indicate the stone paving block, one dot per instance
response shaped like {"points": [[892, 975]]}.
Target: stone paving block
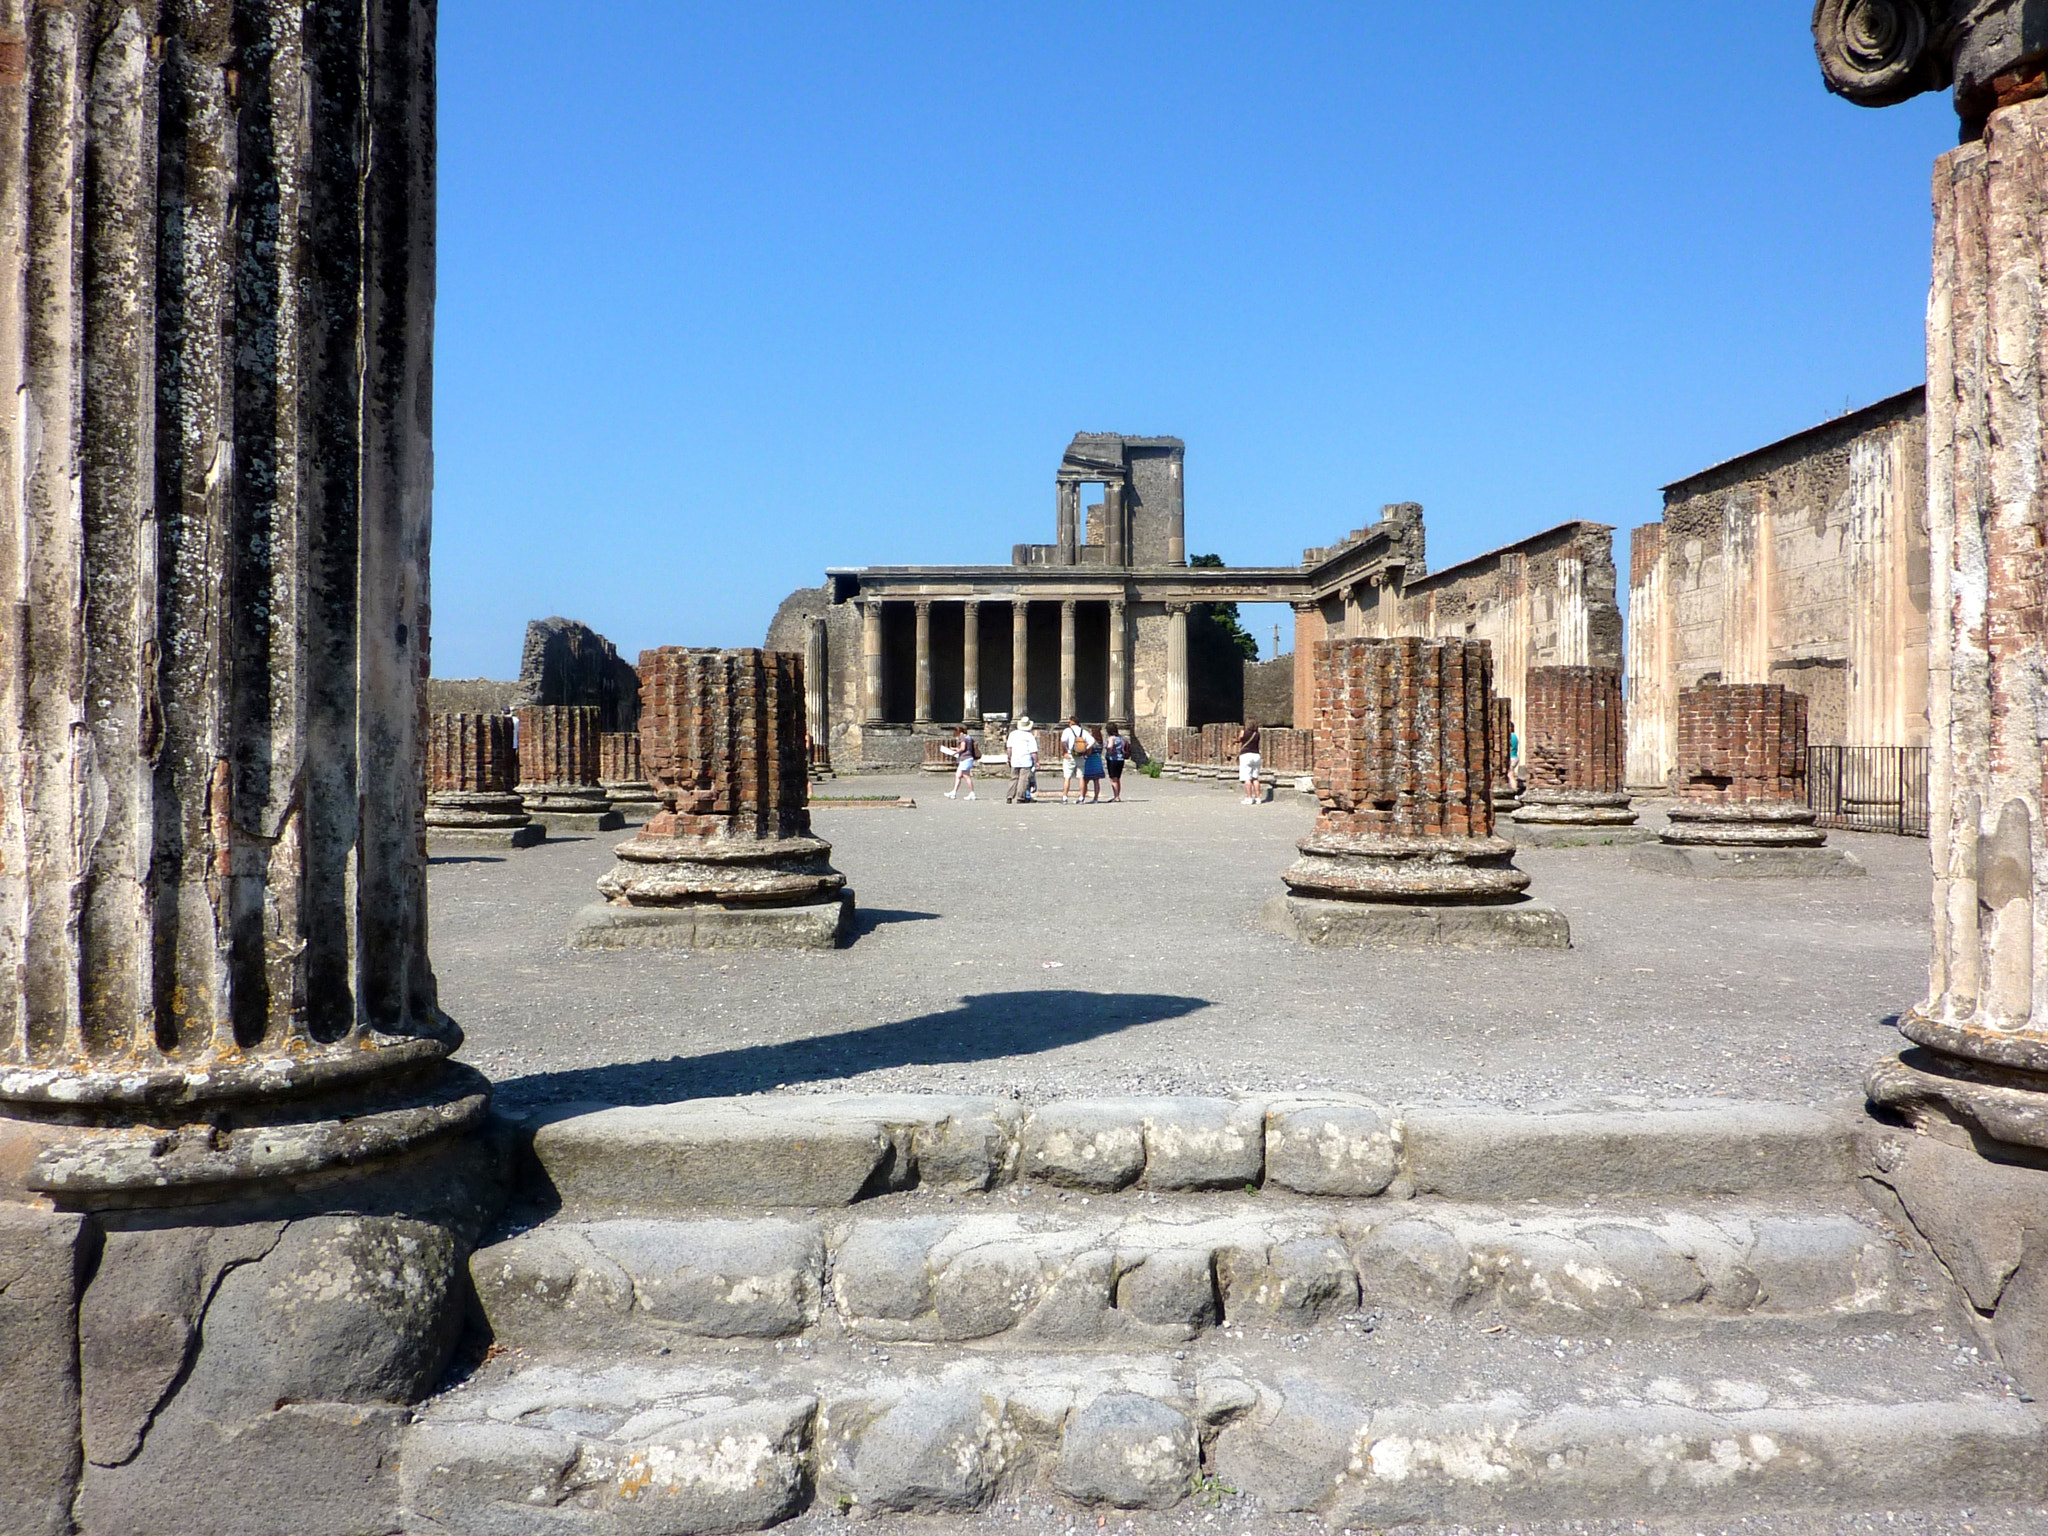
{"points": [[881, 1271], [943, 1141], [1195, 1143], [720, 1279], [550, 1289], [1307, 1281], [1821, 1263], [987, 1290], [938, 1451], [1129, 1452], [1085, 1143], [1171, 1288], [678, 1157], [1290, 1451], [1345, 1149], [42, 1266], [1736, 1149], [1415, 1264]]}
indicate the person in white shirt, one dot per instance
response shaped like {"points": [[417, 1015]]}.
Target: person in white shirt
{"points": [[1075, 744], [961, 750], [1023, 750]]}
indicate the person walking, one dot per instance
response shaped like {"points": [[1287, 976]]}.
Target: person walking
{"points": [[1116, 751], [1023, 754], [1515, 760], [1074, 744], [1248, 763], [963, 754], [1091, 772]]}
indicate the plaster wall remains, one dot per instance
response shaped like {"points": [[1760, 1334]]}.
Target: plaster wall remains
{"points": [[1804, 563]]}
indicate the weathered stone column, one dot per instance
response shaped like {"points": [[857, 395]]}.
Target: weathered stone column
{"points": [[1020, 659], [1067, 680], [921, 712], [1404, 849], [216, 329], [1574, 745], [1742, 776], [1069, 533], [1507, 793], [621, 777], [558, 769], [871, 661], [1650, 726], [817, 691], [472, 778], [1119, 665], [731, 861], [1176, 665], [970, 663], [1116, 527]]}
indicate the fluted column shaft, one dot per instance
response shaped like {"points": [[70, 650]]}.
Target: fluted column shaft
{"points": [[970, 662], [871, 661], [1020, 658], [1176, 665], [1068, 706], [922, 704], [817, 682], [1119, 666]]}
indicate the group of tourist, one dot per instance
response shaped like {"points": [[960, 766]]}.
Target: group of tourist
{"points": [[1084, 763]]}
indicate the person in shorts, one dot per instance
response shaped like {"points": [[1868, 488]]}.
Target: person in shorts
{"points": [[1023, 749], [1092, 772], [961, 750], [1074, 744], [1248, 763], [1116, 751]]}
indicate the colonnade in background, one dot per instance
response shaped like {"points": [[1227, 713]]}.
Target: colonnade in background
{"points": [[873, 691]]}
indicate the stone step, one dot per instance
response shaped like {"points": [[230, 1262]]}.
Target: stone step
{"points": [[1375, 1425], [819, 1150], [1041, 1268]]}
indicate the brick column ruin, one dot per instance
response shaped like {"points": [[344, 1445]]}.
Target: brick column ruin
{"points": [[1574, 751], [621, 777], [1507, 791], [1741, 778], [222, 1052], [472, 784], [558, 769], [730, 862], [1404, 850]]}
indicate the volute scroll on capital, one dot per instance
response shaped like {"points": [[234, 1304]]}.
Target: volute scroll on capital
{"points": [[1878, 53]]}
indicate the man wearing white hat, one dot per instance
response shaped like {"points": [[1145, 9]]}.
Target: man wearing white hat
{"points": [[1023, 746]]}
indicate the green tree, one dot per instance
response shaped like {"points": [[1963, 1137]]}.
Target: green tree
{"points": [[1224, 615]]}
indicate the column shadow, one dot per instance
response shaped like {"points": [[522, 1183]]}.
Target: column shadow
{"points": [[987, 1027]]}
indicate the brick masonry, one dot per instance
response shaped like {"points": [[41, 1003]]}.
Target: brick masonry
{"points": [[1402, 730], [722, 737], [1742, 742], [471, 754], [618, 758], [1575, 739], [1503, 730], [558, 744]]}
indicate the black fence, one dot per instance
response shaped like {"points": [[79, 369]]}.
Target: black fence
{"points": [[1869, 789]]}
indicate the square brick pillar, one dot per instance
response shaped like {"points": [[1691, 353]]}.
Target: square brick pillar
{"points": [[1404, 759], [1574, 745], [730, 861]]}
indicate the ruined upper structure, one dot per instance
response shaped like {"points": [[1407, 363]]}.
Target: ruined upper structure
{"points": [[1142, 517], [1878, 53], [564, 662]]}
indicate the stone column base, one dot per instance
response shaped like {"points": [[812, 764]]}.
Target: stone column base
{"points": [[1746, 863], [1506, 798], [707, 925], [1744, 824], [570, 823], [1409, 925], [1967, 1100], [1540, 835], [1573, 808], [458, 840], [1339, 866]]}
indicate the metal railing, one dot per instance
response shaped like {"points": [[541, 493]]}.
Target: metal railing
{"points": [[1869, 789]]}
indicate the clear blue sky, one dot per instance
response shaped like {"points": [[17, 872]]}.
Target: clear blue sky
{"points": [[730, 294]]}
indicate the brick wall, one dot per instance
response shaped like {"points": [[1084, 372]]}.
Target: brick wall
{"points": [[1402, 732], [558, 744], [471, 754], [1503, 729], [1741, 741], [722, 737], [618, 758], [1575, 739]]}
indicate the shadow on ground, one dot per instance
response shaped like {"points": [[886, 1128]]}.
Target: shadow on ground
{"points": [[867, 920], [982, 1028]]}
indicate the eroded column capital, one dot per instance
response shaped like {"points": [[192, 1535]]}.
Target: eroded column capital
{"points": [[1878, 53]]}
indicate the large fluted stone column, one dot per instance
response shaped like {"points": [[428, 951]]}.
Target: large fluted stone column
{"points": [[1119, 665], [472, 785], [1069, 528], [1574, 754], [234, 1180], [731, 862], [1176, 666], [921, 711], [1068, 705], [1115, 526], [817, 694], [559, 766], [1973, 1082], [871, 661], [1020, 659], [970, 662], [1404, 850]]}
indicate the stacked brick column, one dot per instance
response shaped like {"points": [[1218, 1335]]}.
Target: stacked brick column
{"points": [[1507, 793], [1403, 732], [619, 772], [723, 739], [1742, 769], [472, 778], [1574, 748], [558, 768]]}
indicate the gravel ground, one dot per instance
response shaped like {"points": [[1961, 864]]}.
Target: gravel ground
{"points": [[1054, 950]]}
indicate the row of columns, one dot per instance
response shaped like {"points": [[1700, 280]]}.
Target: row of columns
{"points": [[1119, 669]]}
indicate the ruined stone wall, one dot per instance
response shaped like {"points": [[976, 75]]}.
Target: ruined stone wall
{"points": [[1741, 742], [1804, 564], [1402, 730], [1269, 691], [565, 662], [471, 696], [789, 631]]}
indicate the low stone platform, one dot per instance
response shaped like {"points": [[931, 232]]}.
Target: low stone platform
{"points": [[1525, 834], [442, 841], [579, 823], [706, 925], [1707, 863], [1356, 924]]}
